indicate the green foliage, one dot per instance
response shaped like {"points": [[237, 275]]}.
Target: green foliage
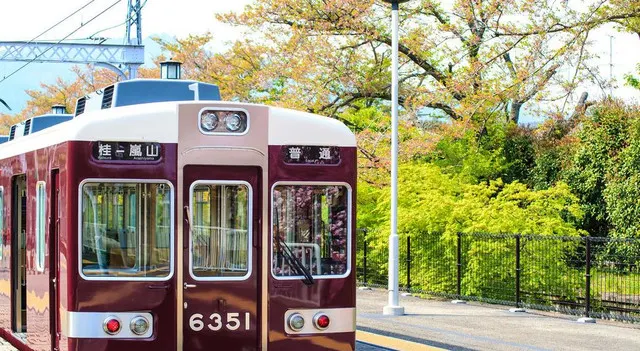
{"points": [[547, 169], [602, 137], [472, 159], [370, 116], [433, 207], [623, 186], [502, 151], [632, 80], [519, 154]]}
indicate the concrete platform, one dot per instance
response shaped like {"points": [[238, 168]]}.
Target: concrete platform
{"points": [[475, 326]]}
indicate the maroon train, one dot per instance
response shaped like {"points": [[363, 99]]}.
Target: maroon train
{"points": [[158, 217]]}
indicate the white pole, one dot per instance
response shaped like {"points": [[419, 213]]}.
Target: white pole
{"points": [[611, 65], [393, 307]]}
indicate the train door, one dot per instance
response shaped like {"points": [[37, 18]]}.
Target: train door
{"points": [[54, 235], [18, 255], [221, 256]]}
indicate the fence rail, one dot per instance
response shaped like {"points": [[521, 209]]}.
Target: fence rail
{"points": [[589, 276]]}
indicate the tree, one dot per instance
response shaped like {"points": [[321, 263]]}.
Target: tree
{"points": [[603, 137], [473, 63], [477, 57], [66, 93]]}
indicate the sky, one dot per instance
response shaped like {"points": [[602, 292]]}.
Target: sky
{"points": [[166, 18], [25, 19]]}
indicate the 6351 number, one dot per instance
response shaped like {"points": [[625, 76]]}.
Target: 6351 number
{"points": [[215, 322]]}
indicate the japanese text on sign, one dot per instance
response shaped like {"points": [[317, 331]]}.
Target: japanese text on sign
{"points": [[311, 155], [126, 151]]}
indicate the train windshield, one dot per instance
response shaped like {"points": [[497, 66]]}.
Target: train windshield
{"points": [[314, 222], [126, 230], [221, 231]]}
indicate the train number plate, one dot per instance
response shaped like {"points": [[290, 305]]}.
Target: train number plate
{"points": [[230, 321]]}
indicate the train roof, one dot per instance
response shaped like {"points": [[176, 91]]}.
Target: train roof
{"points": [[144, 91], [158, 122], [36, 124]]}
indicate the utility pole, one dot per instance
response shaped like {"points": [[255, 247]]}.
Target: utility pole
{"points": [[393, 307], [611, 65], [134, 18]]}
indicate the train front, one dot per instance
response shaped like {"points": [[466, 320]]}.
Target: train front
{"points": [[235, 232]]}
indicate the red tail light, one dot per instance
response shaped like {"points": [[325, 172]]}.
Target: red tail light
{"points": [[111, 325], [321, 321]]}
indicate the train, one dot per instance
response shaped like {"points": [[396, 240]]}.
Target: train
{"points": [[157, 216]]}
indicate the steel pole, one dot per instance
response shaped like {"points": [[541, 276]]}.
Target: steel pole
{"points": [[393, 307]]}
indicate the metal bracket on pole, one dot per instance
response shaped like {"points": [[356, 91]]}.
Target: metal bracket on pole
{"points": [[113, 68]]}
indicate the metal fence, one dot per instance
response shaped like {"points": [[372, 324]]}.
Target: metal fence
{"points": [[588, 276]]}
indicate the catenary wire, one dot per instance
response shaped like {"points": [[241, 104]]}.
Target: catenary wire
{"points": [[59, 41], [50, 28]]}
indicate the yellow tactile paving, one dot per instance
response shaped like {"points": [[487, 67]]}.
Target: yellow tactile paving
{"points": [[392, 343]]}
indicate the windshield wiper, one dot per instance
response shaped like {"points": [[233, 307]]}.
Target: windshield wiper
{"points": [[294, 262]]}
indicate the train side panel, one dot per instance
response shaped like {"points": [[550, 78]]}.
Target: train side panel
{"points": [[36, 167]]}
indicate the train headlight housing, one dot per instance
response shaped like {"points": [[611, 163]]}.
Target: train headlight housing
{"points": [[321, 321], [296, 322], [209, 121], [233, 122], [223, 121], [139, 325], [111, 325]]}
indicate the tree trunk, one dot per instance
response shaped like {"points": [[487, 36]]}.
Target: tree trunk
{"points": [[514, 113], [581, 107]]}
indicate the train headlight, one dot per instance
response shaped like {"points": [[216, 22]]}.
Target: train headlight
{"points": [[223, 121], [111, 325], [233, 121], [321, 321], [139, 325], [209, 121], [296, 322]]}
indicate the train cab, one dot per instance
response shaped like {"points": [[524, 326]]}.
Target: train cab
{"points": [[179, 222]]}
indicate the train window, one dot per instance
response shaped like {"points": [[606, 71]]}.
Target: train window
{"points": [[41, 198], [221, 230], [311, 225], [127, 230], [1, 222]]}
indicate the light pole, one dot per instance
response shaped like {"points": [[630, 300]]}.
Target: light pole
{"points": [[393, 307]]}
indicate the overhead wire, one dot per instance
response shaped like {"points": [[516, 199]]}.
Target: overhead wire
{"points": [[50, 28], [129, 19], [60, 41], [91, 37]]}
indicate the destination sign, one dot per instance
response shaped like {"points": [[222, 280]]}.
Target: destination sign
{"points": [[126, 151], [311, 155]]}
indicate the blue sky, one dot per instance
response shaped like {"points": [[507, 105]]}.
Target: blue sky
{"points": [[168, 18], [165, 18]]}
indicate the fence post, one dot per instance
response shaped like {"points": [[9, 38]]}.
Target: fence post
{"points": [[365, 257], [409, 264], [587, 276], [518, 270], [459, 264]]}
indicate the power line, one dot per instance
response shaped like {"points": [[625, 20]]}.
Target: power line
{"points": [[50, 28], [90, 37], [59, 41], [129, 19]]}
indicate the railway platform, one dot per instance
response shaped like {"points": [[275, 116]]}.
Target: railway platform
{"points": [[440, 324]]}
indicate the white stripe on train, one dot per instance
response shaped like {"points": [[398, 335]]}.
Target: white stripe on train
{"points": [[158, 122]]}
